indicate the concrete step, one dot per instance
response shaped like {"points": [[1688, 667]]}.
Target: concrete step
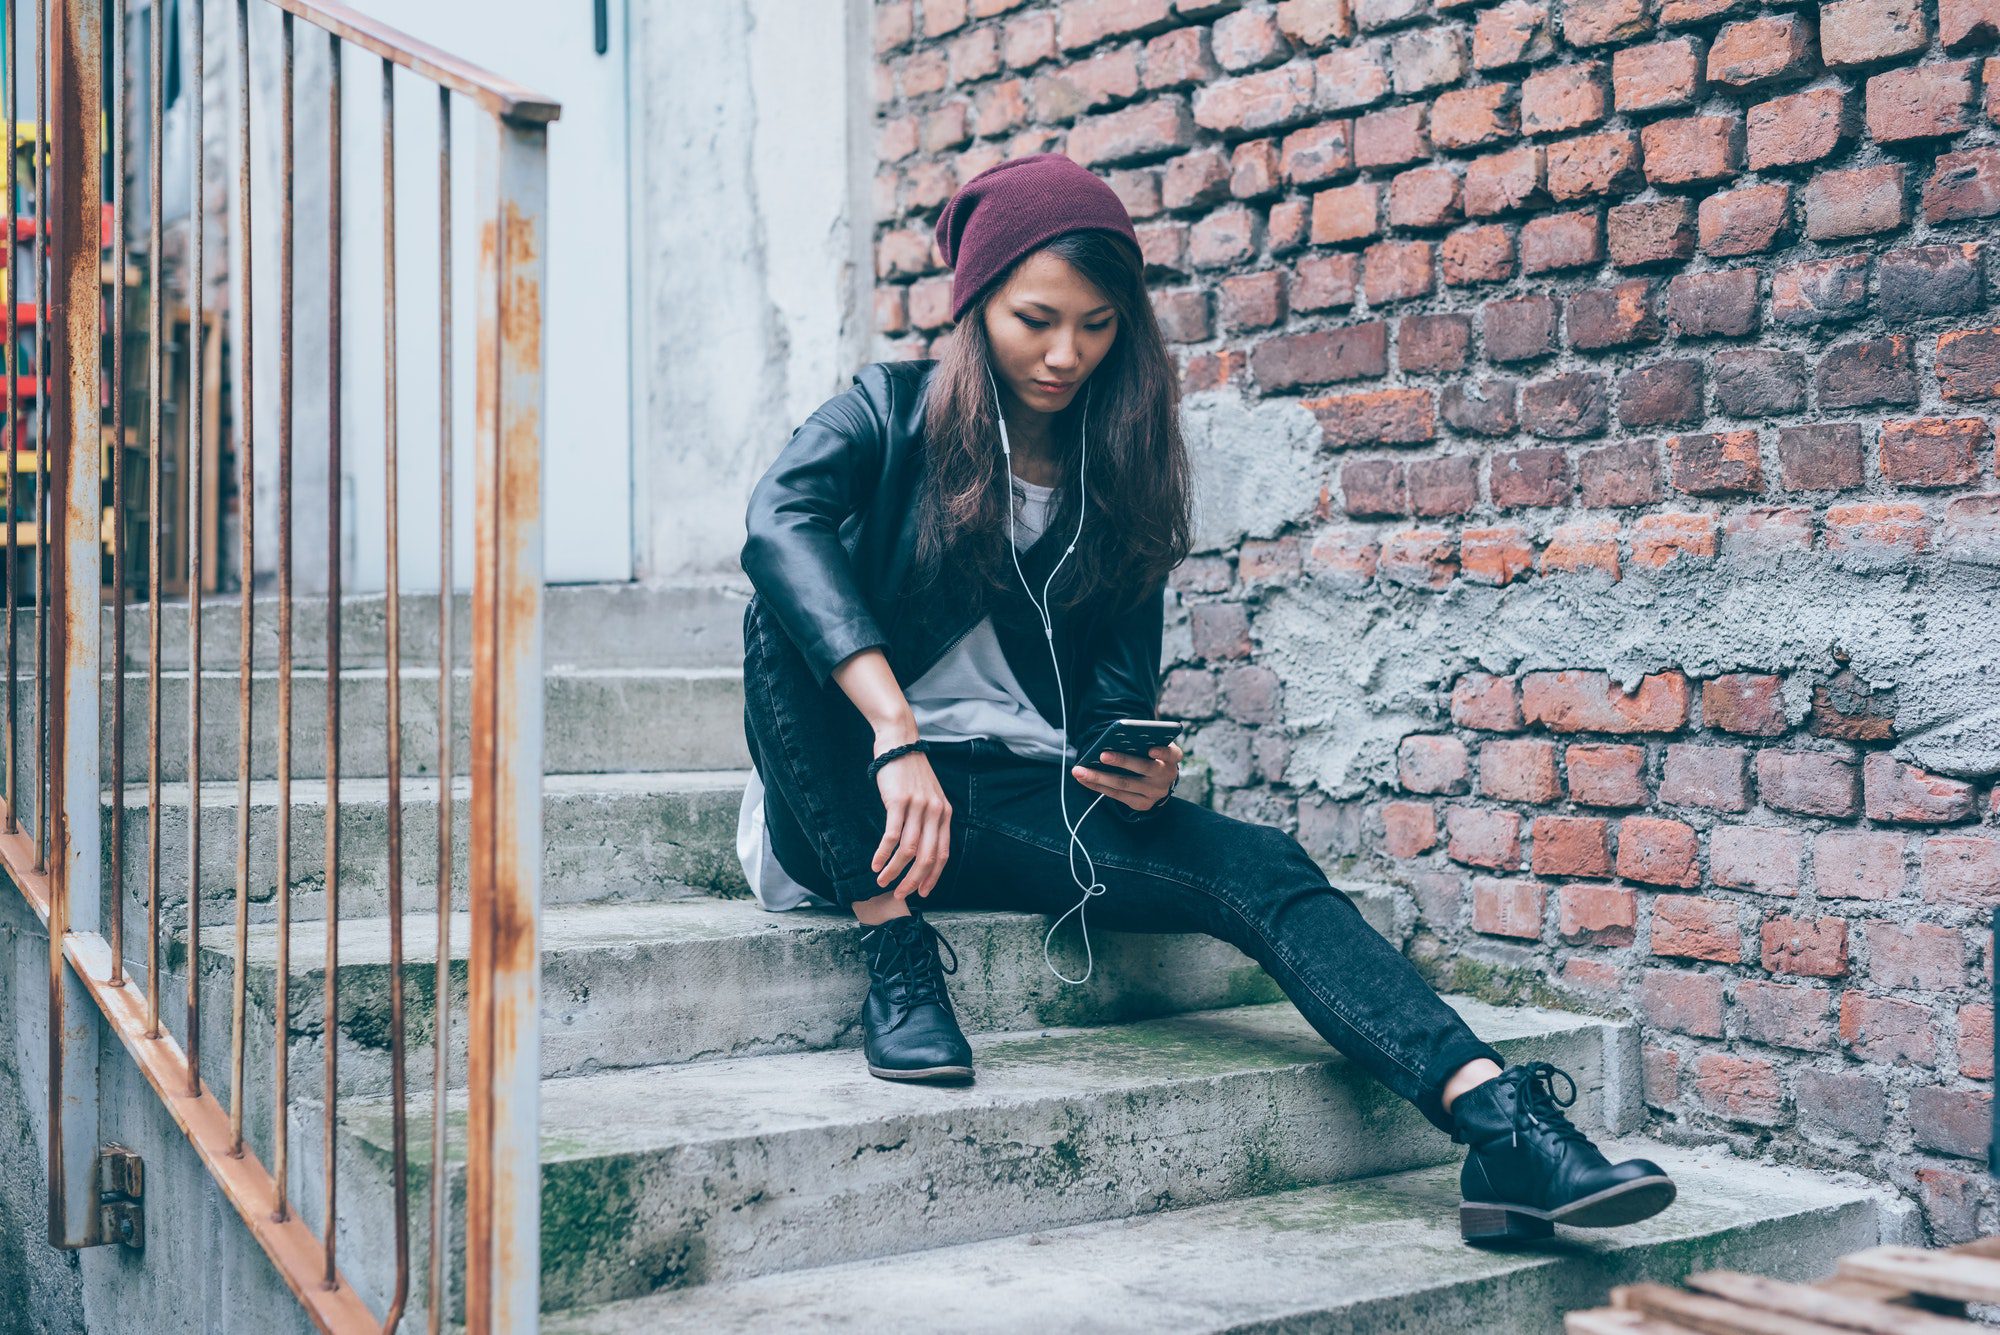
{"points": [[605, 838], [597, 720], [583, 625], [633, 985], [1382, 1254], [670, 1176]]}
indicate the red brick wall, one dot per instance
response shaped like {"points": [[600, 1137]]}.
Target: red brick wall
{"points": [[1586, 299]]}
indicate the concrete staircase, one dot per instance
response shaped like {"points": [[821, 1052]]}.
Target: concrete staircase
{"points": [[1169, 1147]]}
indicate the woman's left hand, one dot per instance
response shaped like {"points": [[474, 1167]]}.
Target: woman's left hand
{"points": [[1149, 777]]}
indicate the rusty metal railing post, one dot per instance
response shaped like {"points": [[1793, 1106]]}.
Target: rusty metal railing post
{"points": [[503, 1168], [71, 695]]}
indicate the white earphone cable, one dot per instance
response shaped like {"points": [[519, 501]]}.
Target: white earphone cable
{"points": [[1095, 886]]}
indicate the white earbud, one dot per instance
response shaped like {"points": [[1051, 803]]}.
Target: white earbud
{"points": [[1095, 886]]}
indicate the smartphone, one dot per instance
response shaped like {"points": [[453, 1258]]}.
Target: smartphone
{"points": [[1129, 737]]}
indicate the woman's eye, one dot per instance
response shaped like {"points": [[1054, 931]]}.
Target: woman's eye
{"points": [[1043, 324]]}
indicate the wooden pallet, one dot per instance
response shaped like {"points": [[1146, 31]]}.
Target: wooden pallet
{"points": [[1880, 1291]]}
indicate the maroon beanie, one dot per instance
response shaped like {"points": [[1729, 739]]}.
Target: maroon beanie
{"points": [[1013, 207]]}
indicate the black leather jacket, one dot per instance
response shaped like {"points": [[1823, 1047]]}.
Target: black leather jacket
{"points": [[831, 537]]}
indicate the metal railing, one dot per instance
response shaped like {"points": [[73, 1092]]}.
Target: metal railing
{"points": [[57, 865]]}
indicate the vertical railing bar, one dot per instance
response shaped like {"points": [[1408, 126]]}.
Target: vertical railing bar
{"points": [[44, 280], [281, 1097], [156, 304], [330, 1100], [197, 226], [398, 1112], [441, 1035], [246, 509], [115, 64], [16, 437]]}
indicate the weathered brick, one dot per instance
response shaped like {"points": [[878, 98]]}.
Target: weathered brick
{"points": [[1517, 32], [1587, 23], [1519, 770], [1384, 417], [1933, 451], [1723, 303], [1519, 330], [1446, 486], [1823, 457], [1716, 777], [1764, 532], [1952, 1121], [1483, 407], [1419, 558], [1605, 774], [1759, 381], [1343, 557], [1749, 221], [1922, 102], [1487, 702], [1660, 76], [1409, 829], [1854, 1106], [1965, 184], [1971, 530], [1800, 128], [1975, 1042], [1920, 281], [1565, 407], [1594, 164], [1850, 709], [1659, 852], [1582, 545], [1148, 129], [1886, 1029], [1538, 476], [1596, 915], [1392, 138], [1961, 869], [1863, 32], [1859, 864], [1968, 364], [1468, 118], [1620, 475], [1424, 197], [1967, 22], [1477, 255], [1593, 702], [1662, 394], [1809, 783], [1861, 201], [1692, 926], [1317, 153], [1496, 555], [1898, 793], [1325, 282], [1432, 56], [1816, 947], [1508, 907], [1692, 150], [1756, 857], [1659, 539], [1791, 1015], [1747, 703], [1253, 103], [1872, 536], [1427, 343], [1354, 76], [1571, 846], [1772, 48], [1564, 98], [1504, 182], [1650, 231], [1687, 1003], [1869, 371], [1742, 1089], [1374, 488], [1915, 955], [1819, 290], [1482, 837], [1396, 271], [1726, 463], [1553, 241], [1346, 213], [1252, 300], [1614, 317], [1320, 356]]}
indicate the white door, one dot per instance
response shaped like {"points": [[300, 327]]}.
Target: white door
{"points": [[587, 441]]}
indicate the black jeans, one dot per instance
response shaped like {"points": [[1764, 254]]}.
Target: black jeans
{"points": [[1189, 870]]}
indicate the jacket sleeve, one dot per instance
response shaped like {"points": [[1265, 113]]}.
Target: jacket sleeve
{"points": [[1125, 679], [792, 551]]}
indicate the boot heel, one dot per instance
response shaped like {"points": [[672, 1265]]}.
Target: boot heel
{"points": [[1496, 1223]]}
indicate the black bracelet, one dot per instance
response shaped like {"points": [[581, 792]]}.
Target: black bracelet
{"points": [[875, 765]]}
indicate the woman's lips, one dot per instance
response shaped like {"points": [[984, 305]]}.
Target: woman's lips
{"points": [[1051, 387]]}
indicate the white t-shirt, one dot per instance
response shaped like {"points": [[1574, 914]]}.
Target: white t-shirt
{"points": [[969, 692]]}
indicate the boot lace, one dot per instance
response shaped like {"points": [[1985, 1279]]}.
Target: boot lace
{"points": [[906, 961], [1539, 1104]]}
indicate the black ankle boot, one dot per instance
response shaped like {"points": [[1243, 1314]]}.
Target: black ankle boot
{"points": [[1530, 1168], [909, 1030]]}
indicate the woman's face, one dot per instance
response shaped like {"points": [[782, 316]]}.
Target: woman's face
{"points": [[1049, 328]]}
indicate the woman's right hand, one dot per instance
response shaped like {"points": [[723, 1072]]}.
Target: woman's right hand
{"points": [[918, 832]]}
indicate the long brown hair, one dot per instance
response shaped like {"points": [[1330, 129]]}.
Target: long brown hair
{"points": [[1138, 479]]}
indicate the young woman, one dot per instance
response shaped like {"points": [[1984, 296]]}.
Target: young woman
{"points": [[960, 566]]}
